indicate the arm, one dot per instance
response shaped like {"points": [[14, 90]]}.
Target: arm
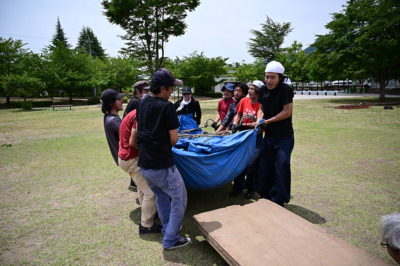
{"points": [[236, 119], [260, 114], [198, 113], [285, 113], [217, 118], [221, 127], [133, 139], [173, 136]]}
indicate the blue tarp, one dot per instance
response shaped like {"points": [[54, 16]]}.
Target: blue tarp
{"points": [[215, 162], [187, 122]]}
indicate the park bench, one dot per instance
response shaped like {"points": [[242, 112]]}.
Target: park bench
{"points": [[61, 106]]}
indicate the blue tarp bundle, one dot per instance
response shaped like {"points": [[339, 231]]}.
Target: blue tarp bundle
{"points": [[187, 122], [215, 162]]}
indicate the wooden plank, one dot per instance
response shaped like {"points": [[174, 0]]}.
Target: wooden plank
{"points": [[263, 233]]}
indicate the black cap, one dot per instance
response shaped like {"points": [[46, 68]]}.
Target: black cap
{"points": [[186, 90], [165, 75], [110, 95]]}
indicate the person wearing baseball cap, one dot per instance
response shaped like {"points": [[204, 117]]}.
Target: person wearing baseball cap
{"points": [[111, 105], [140, 88], [276, 111], [157, 133], [188, 105], [224, 103]]}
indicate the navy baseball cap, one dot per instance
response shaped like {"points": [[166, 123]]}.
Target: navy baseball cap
{"points": [[164, 74], [228, 86]]}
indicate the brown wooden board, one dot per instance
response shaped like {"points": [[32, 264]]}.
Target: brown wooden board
{"points": [[263, 233]]}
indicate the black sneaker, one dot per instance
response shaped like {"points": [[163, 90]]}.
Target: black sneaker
{"points": [[181, 243], [156, 228], [132, 188], [234, 193], [249, 195]]}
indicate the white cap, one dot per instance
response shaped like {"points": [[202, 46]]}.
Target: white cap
{"points": [[257, 83], [275, 67]]}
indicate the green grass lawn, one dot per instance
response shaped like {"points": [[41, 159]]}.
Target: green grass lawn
{"points": [[64, 201]]}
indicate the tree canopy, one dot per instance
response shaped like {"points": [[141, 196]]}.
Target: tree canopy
{"points": [[59, 38], [365, 39], [89, 43], [268, 41], [148, 24]]}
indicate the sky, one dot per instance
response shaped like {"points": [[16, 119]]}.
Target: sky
{"points": [[216, 27]]}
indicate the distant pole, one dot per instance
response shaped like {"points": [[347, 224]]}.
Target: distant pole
{"points": [[90, 47]]}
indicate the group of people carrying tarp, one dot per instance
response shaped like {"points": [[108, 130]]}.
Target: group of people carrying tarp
{"points": [[142, 142]]}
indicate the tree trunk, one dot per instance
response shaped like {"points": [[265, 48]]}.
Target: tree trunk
{"points": [[8, 100], [70, 97], [382, 85]]}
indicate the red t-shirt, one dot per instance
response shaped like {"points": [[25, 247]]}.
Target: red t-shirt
{"points": [[126, 151], [223, 107], [245, 107]]}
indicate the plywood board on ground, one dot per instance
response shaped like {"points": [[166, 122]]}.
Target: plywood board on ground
{"points": [[263, 233]]}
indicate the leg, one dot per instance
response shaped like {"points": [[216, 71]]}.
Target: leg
{"points": [[266, 168], [168, 183], [281, 190], [238, 184], [146, 196]]}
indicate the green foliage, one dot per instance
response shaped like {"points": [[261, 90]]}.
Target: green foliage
{"points": [[212, 94], [117, 73], [148, 24], [199, 72], [26, 105], [250, 72], [295, 61], [22, 85], [89, 43], [93, 100], [365, 38], [59, 39], [267, 42]]}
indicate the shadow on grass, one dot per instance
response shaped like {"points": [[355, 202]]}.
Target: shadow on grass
{"points": [[310, 216], [25, 110]]}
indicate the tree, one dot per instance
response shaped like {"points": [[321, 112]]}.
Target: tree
{"points": [[59, 38], [69, 69], [117, 73], [294, 59], [22, 85], [267, 42], [365, 37], [89, 43], [199, 72], [250, 72], [11, 63], [148, 24]]}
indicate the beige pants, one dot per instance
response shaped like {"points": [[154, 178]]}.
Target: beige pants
{"points": [[147, 199]]}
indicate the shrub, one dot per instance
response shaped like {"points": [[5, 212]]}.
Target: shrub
{"points": [[125, 100], [93, 100], [26, 105], [42, 104], [212, 94]]}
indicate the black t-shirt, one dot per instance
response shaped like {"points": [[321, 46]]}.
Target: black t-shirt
{"points": [[132, 105], [155, 117], [272, 103]]}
